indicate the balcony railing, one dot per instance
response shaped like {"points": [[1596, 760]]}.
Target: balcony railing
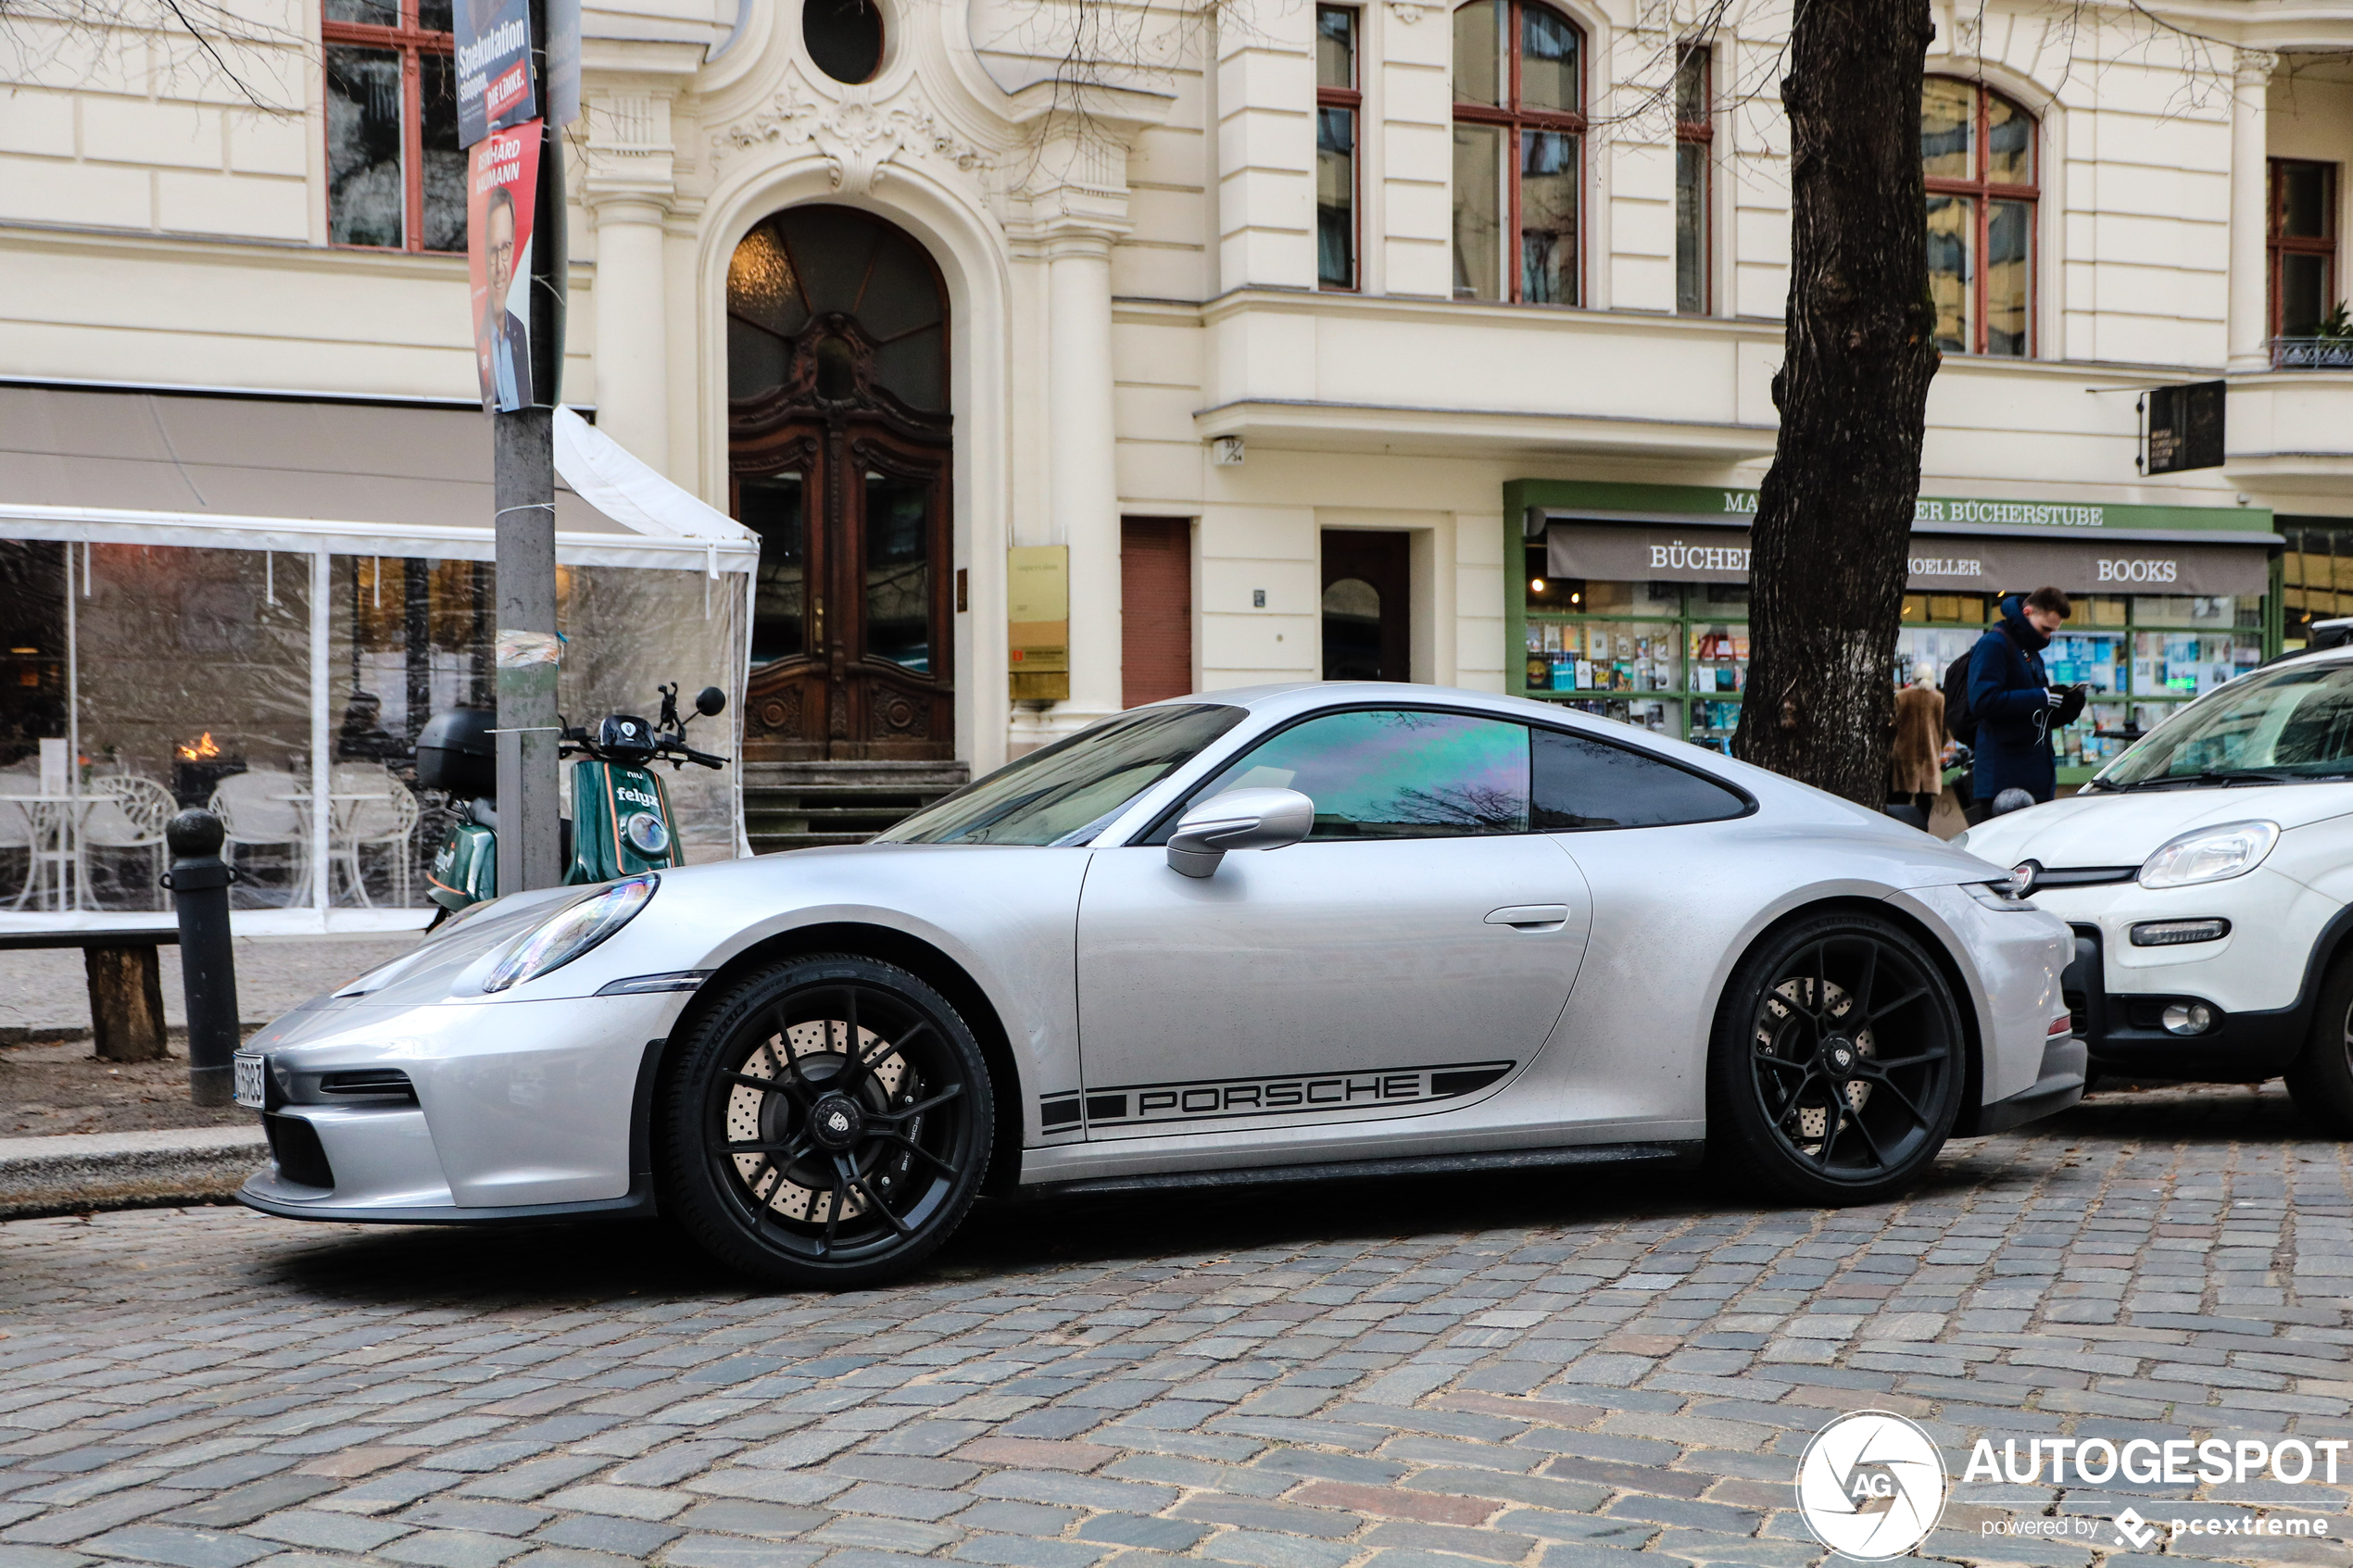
{"points": [[2312, 354]]}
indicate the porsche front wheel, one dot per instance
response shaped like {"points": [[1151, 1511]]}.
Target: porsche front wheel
{"points": [[1837, 1067], [826, 1124]]}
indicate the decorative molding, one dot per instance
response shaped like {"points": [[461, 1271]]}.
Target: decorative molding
{"points": [[1410, 11], [629, 155], [2253, 67], [1969, 29], [856, 136]]}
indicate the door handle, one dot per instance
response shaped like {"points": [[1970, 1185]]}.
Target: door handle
{"points": [[1530, 917]]}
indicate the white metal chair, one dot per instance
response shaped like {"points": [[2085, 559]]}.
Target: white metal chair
{"points": [[33, 829], [16, 833], [383, 815], [131, 814], [262, 809]]}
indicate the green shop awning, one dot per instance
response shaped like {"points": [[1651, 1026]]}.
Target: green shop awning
{"points": [[1690, 534]]}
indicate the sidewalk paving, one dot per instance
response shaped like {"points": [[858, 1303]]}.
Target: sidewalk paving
{"points": [[44, 995]]}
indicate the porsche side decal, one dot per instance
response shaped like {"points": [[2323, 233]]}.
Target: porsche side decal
{"points": [[1133, 1104]]}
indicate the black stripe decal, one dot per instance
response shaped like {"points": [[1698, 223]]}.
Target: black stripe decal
{"points": [[1306, 1094]]}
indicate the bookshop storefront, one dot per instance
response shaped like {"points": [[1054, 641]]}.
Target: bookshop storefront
{"points": [[1633, 601]]}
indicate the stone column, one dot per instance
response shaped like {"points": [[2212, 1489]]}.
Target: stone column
{"points": [[627, 192], [1070, 211], [2250, 325], [1084, 493]]}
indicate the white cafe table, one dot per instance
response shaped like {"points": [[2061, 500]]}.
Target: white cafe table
{"points": [[341, 807], [57, 822]]}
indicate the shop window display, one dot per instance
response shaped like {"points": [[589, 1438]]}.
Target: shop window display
{"points": [[2140, 655]]}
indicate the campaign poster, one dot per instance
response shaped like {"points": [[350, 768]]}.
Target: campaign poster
{"points": [[493, 67], [502, 179]]}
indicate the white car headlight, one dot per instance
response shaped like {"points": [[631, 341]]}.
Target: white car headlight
{"points": [[2214, 854], [571, 931]]}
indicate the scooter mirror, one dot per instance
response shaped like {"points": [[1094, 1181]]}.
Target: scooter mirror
{"points": [[710, 700]]}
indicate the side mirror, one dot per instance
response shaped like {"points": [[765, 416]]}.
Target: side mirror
{"points": [[710, 700], [1240, 818]]}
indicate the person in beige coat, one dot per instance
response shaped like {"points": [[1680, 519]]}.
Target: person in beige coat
{"points": [[1916, 765]]}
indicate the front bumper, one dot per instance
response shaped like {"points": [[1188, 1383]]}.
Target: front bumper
{"points": [[517, 1110], [2124, 1032]]}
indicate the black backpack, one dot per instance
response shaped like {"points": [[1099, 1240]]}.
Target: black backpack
{"points": [[1959, 722]]}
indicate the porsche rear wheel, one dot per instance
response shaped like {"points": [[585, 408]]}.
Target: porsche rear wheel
{"points": [[1838, 1061], [827, 1123]]}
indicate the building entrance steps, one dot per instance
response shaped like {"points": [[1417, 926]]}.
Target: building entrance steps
{"points": [[804, 805]]}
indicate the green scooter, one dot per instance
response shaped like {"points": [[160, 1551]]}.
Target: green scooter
{"points": [[621, 822]]}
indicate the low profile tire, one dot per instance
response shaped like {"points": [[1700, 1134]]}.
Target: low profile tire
{"points": [[1836, 1071], [826, 1124], [2320, 1080]]}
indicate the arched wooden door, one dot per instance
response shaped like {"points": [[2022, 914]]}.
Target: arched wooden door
{"points": [[838, 448]]}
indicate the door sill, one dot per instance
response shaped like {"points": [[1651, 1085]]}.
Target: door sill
{"points": [[1678, 1154]]}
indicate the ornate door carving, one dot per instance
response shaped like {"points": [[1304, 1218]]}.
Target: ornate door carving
{"points": [[839, 448]]}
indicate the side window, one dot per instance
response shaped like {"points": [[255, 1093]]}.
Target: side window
{"points": [[1395, 774], [1590, 784]]}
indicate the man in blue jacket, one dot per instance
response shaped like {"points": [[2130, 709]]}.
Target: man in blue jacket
{"points": [[2012, 701]]}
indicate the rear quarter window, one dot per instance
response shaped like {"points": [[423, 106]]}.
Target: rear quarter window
{"points": [[1579, 784]]}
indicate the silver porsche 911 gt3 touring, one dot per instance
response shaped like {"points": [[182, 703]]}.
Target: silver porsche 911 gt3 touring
{"points": [[1270, 935]]}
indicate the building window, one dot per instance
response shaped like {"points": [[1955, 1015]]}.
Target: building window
{"points": [[1519, 126], [1695, 136], [1339, 105], [1977, 150], [395, 175], [2303, 243]]}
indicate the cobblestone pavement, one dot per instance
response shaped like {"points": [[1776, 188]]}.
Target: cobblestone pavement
{"points": [[1575, 1370]]}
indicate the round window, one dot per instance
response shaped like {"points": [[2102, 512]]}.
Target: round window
{"points": [[845, 37]]}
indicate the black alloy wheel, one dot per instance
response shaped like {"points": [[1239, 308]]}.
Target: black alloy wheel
{"points": [[1838, 1062], [827, 1123]]}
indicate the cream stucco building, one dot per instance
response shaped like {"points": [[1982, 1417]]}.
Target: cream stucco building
{"points": [[1358, 336]]}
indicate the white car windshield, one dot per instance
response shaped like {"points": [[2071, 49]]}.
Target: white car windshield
{"points": [[1066, 793], [2290, 724]]}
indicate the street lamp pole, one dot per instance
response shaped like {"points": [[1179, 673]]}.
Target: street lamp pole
{"points": [[523, 442]]}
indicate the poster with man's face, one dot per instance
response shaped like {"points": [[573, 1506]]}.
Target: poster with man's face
{"points": [[502, 177]]}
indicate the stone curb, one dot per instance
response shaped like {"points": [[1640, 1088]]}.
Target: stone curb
{"points": [[87, 1170]]}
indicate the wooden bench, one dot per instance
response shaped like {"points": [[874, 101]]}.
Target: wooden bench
{"points": [[126, 984]]}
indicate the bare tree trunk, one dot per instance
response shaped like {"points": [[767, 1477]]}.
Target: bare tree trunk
{"points": [[1834, 517]]}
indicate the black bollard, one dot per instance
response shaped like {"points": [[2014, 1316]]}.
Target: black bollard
{"points": [[199, 880]]}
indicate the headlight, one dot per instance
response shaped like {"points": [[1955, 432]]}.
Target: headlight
{"points": [[571, 931], [2211, 854], [1998, 896]]}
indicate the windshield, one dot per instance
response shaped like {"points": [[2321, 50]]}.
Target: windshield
{"points": [[1065, 793], [2293, 724]]}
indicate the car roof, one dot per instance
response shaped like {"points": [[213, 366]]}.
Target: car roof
{"points": [[1301, 697]]}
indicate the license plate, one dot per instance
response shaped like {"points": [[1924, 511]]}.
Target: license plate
{"points": [[249, 1070]]}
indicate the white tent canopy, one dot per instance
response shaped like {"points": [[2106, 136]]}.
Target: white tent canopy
{"points": [[385, 508]]}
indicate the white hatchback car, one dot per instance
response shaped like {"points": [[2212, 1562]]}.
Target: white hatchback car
{"points": [[2207, 874]]}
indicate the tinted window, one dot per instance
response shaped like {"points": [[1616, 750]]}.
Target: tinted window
{"points": [[1590, 784], [1065, 793], [1395, 774]]}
